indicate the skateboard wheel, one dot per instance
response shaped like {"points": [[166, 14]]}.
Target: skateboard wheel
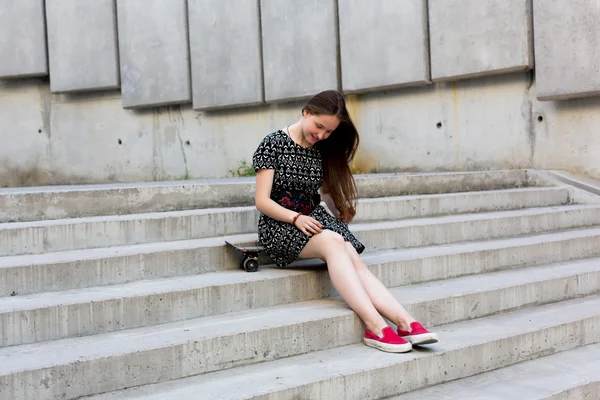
{"points": [[250, 265]]}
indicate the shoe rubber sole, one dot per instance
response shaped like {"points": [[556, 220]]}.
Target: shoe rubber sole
{"points": [[389, 348], [424, 338]]}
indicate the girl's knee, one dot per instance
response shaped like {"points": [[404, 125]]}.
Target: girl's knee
{"points": [[329, 243], [332, 237]]}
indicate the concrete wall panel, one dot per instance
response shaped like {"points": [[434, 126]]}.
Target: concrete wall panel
{"points": [[299, 48], [225, 53], [479, 37], [154, 52], [383, 43], [82, 45], [567, 48], [22, 39]]}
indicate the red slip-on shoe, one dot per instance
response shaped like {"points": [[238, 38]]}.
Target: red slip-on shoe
{"points": [[418, 334], [389, 341]]}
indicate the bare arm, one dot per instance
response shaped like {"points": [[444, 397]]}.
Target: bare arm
{"points": [[264, 204]]}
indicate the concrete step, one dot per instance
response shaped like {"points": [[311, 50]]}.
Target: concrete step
{"points": [[420, 206], [572, 374], [375, 236], [55, 202], [56, 315], [356, 372], [456, 228], [23, 275], [171, 351], [106, 231]]}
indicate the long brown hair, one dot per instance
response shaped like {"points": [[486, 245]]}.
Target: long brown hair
{"points": [[338, 150]]}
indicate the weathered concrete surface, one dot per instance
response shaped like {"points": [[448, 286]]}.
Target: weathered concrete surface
{"points": [[454, 126], [122, 264], [49, 236], [105, 231], [566, 48], [580, 192], [51, 316], [415, 206], [566, 136], [91, 139], [299, 48], [156, 316], [582, 182], [467, 349], [95, 232], [225, 49], [42, 203], [479, 37], [480, 124], [383, 44], [24, 275], [26, 161], [572, 374], [22, 39], [82, 45], [154, 52], [450, 229]]}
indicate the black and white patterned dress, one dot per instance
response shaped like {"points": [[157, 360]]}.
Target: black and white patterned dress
{"points": [[297, 179]]}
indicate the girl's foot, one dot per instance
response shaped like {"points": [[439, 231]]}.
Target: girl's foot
{"points": [[389, 341], [418, 334]]}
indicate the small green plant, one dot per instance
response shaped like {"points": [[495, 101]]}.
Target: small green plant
{"points": [[358, 171], [244, 169], [186, 177]]}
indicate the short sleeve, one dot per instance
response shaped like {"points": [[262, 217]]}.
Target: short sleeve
{"points": [[265, 155]]}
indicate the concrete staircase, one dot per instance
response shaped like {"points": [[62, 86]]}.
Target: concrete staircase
{"points": [[128, 292]]}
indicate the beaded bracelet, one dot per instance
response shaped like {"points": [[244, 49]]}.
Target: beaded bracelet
{"points": [[296, 217]]}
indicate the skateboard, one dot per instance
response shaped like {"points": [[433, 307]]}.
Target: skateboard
{"points": [[249, 259]]}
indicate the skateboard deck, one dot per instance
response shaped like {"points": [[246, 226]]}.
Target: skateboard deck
{"points": [[249, 256]]}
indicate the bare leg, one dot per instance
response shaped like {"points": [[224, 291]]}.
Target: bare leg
{"points": [[330, 247], [380, 296]]}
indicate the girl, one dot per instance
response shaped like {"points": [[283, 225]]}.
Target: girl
{"points": [[292, 165]]}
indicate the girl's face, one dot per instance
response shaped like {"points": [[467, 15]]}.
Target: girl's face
{"points": [[318, 127]]}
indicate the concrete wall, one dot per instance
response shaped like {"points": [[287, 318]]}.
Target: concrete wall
{"points": [[395, 54], [486, 122], [25, 114], [154, 52], [225, 48], [290, 50], [82, 45], [22, 39], [299, 48], [566, 134], [468, 125], [567, 44], [479, 37]]}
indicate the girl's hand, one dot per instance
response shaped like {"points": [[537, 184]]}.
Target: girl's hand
{"points": [[308, 225]]}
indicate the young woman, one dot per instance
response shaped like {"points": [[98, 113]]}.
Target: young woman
{"points": [[292, 164]]}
